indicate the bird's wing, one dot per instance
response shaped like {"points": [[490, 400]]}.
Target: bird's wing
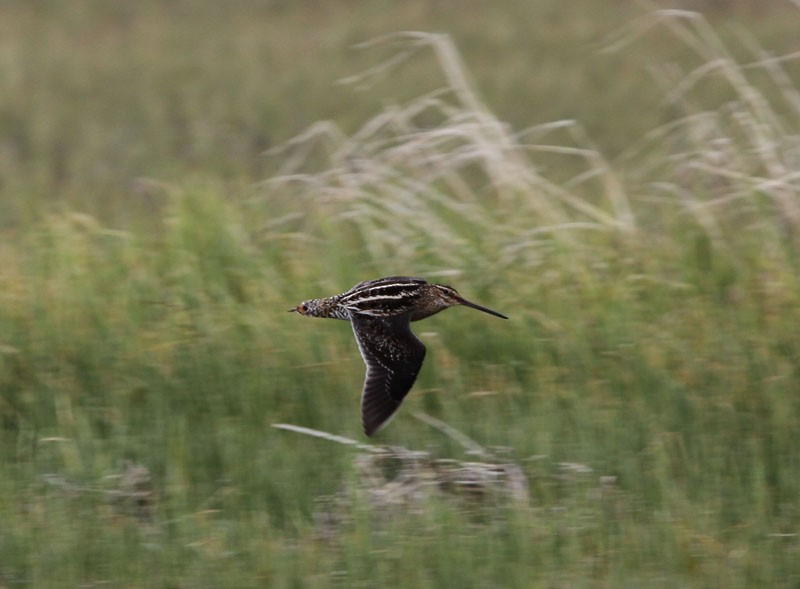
{"points": [[393, 356]]}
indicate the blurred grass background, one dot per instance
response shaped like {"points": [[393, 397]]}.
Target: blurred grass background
{"points": [[621, 181]]}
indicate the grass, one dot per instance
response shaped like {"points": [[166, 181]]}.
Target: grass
{"points": [[645, 250]]}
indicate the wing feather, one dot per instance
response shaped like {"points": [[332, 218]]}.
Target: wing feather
{"points": [[393, 356]]}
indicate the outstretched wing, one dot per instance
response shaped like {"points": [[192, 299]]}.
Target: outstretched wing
{"points": [[393, 356]]}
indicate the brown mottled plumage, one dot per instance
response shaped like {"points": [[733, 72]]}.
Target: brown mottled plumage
{"points": [[380, 312]]}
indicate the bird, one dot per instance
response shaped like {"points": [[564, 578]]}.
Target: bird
{"points": [[379, 312]]}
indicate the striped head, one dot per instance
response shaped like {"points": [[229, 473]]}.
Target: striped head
{"points": [[434, 298], [440, 296]]}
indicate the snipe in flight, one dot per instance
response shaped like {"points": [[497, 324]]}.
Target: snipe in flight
{"points": [[379, 312]]}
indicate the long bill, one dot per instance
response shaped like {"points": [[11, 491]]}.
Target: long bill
{"points": [[472, 305]]}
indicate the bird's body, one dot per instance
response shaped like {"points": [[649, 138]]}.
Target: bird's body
{"points": [[380, 312]]}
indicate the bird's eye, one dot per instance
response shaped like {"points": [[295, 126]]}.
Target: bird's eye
{"points": [[302, 309]]}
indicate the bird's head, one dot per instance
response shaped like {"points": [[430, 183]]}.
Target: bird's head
{"points": [[448, 297]]}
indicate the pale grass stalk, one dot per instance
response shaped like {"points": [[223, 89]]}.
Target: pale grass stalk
{"points": [[444, 166], [735, 150], [469, 444], [327, 436]]}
